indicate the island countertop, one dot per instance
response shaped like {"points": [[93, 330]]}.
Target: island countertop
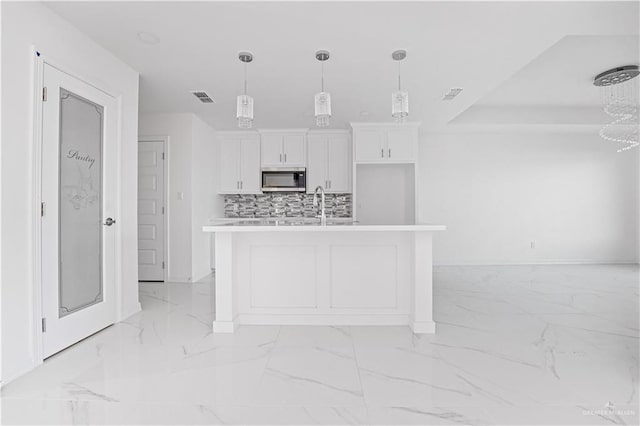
{"points": [[310, 225]]}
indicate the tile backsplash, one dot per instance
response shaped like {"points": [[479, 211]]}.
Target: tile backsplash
{"points": [[284, 204]]}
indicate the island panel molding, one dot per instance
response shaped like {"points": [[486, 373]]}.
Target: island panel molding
{"points": [[346, 274]]}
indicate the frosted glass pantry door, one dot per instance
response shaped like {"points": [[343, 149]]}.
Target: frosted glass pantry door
{"points": [[78, 221]]}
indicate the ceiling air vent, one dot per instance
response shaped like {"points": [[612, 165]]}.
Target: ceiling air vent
{"points": [[452, 93], [203, 97]]}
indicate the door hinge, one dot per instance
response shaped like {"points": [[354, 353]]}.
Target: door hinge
{"points": [[163, 264], [44, 325], [44, 94], [41, 209], [163, 155]]}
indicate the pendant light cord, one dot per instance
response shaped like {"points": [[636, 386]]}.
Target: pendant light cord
{"points": [[245, 78], [399, 86], [322, 76]]}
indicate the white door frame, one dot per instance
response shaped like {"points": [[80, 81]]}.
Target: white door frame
{"points": [[165, 219], [37, 140]]}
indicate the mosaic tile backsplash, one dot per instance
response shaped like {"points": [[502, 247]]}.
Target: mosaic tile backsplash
{"points": [[283, 204]]}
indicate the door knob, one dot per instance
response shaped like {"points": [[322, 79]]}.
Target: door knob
{"points": [[109, 221]]}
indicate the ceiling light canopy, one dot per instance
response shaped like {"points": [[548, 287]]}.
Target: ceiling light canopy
{"points": [[244, 110], [322, 99], [399, 98], [619, 97]]}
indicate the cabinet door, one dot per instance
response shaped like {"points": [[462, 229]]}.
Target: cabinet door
{"points": [[294, 150], [251, 175], [369, 146], [339, 164], [271, 150], [229, 165], [401, 145], [316, 163]]}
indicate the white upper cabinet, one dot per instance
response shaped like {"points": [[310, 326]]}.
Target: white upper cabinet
{"points": [[283, 148], [385, 143], [329, 163], [239, 163]]}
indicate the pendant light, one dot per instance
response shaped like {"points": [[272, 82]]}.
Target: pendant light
{"points": [[322, 99], [244, 110], [399, 98], [620, 100]]}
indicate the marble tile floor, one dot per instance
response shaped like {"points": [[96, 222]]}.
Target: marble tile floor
{"points": [[516, 345]]}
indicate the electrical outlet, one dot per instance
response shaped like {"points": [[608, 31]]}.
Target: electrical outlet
{"points": [[533, 244]]}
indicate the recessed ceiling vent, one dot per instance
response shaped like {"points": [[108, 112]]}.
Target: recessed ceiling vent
{"points": [[452, 93], [203, 97]]}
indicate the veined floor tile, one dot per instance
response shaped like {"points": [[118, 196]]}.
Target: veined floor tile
{"points": [[311, 376], [291, 415], [515, 345], [428, 415]]}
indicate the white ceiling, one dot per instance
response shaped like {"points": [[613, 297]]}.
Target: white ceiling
{"points": [[476, 45]]}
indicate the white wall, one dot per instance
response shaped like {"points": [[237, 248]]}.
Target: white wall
{"points": [[570, 193], [205, 200], [32, 24], [189, 154]]}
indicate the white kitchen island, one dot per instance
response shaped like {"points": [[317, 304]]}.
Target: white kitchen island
{"points": [[303, 273]]}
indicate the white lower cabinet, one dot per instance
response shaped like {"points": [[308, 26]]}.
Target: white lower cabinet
{"points": [[239, 164], [329, 162]]}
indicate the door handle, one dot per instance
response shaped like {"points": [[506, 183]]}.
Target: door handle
{"points": [[109, 221]]}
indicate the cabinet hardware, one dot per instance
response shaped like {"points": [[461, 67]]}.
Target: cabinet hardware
{"points": [[241, 183], [285, 157], [389, 152], [44, 325], [281, 158], [329, 184], [382, 152]]}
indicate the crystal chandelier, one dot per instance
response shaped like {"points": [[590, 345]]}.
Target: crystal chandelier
{"points": [[619, 96], [322, 99], [244, 110], [399, 98]]}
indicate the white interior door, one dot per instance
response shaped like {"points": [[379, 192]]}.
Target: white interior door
{"points": [[78, 212], [151, 211]]}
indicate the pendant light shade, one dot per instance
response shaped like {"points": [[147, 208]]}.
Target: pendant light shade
{"points": [[322, 99], [399, 98], [244, 107]]}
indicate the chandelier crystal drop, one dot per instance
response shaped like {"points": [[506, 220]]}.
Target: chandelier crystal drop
{"points": [[619, 97], [322, 99], [244, 107], [399, 98]]}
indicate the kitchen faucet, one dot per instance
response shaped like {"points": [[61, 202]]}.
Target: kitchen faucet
{"points": [[323, 216]]}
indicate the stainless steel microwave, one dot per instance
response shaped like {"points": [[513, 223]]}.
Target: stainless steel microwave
{"points": [[280, 179]]}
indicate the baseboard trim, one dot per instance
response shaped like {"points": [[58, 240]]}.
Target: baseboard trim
{"points": [[224, 326], [328, 320], [5, 381], [542, 262], [131, 313], [423, 327]]}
